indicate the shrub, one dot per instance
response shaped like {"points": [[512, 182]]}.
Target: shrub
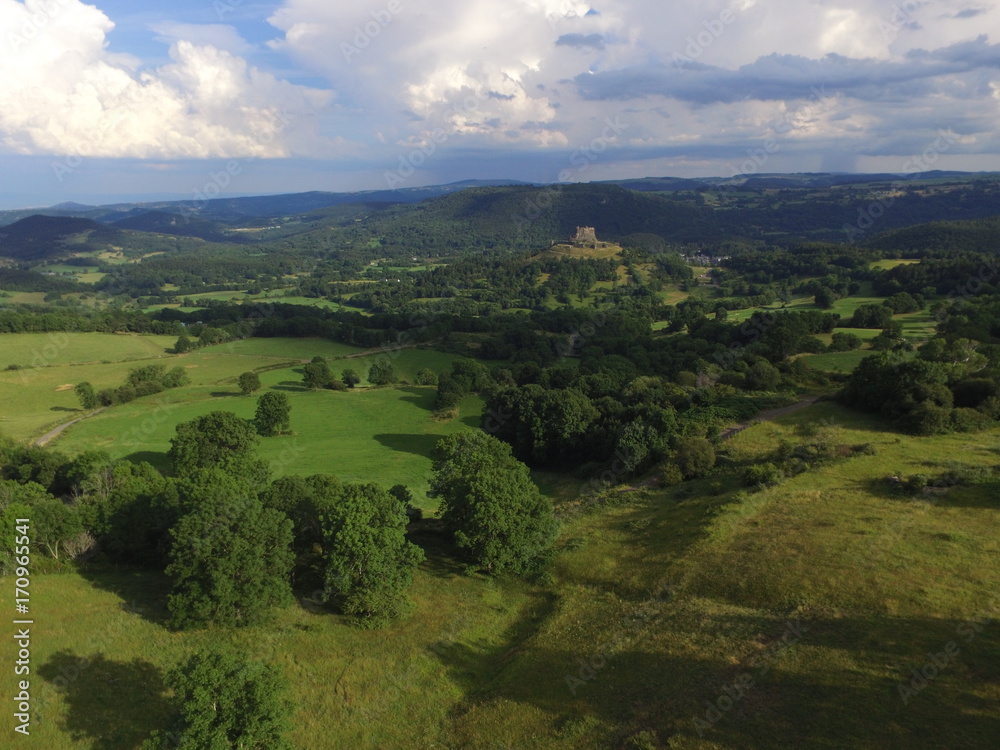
{"points": [[762, 475], [426, 376], [695, 457], [969, 420], [671, 475]]}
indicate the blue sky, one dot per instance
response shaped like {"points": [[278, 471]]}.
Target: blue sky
{"points": [[117, 100]]}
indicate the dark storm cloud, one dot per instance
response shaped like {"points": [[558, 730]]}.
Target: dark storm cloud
{"points": [[792, 77]]}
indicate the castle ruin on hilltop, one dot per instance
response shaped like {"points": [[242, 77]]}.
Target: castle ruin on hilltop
{"points": [[585, 236]]}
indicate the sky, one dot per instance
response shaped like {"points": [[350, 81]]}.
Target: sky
{"points": [[119, 100]]}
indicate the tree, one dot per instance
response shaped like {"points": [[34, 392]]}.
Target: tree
{"points": [[369, 562], [220, 440], [317, 375], [350, 377], [499, 519], [230, 560], [224, 701], [762, 376], [88, 397], [249, 382], [695, 457], [426, 376], [55, 523], [184, 344], [382, 373], [273, 414], [825, 298]]}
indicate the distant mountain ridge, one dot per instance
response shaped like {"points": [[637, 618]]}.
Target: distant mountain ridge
{"points": [[246, 208]]}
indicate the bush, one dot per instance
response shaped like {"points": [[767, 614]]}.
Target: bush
{"points": [[762, 475], [147, 388], [671, 475], [695, 457], [845, 342], [969, 420], [426, 376]]}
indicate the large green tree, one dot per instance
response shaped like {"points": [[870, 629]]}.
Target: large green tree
{"points": [[274, 414], [88, 397], [220, 440], [382, 373], [369, 562], [224, 702], [350, 377], [499, 519], [249, 382], [230, 558], [317, 375]]}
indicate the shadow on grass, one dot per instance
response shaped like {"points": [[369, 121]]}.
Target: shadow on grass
{"points": [[224, 394], [422, 397], [421, 445], [65, 408], [111, 705], [293, 386], [142, 593], [643, 675], [441, 559], [158, 459]]}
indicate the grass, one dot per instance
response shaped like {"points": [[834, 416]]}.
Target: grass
{"points": [[384, 435], [58, 348], [826, 592], [35, 399], [360, 434]]}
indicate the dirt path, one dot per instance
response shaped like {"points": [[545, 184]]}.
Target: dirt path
{"points": [[55, 432], [767, 416]]}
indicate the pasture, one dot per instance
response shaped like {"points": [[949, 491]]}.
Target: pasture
{"points": [[692, 617]]}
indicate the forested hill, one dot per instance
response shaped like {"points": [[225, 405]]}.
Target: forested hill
{"points": [[41, 237], [529, 217], [942, 238]]}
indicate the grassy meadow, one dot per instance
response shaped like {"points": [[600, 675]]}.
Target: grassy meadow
{"points": [[818, 598]]}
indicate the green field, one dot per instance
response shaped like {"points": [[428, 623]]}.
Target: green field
{"points": [[35, 399], [885, 265], [819, 596], [58, 348], [384, 435]]}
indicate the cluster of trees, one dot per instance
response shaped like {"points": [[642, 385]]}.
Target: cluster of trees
{"points": [[948, 387], [140, 381], [234, 542]]}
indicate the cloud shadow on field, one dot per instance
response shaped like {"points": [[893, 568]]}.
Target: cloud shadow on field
{"points": [[112, 705]]}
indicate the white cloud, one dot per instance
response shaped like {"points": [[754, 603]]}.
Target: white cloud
{"points": [[62, 91], [543, 74]]}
